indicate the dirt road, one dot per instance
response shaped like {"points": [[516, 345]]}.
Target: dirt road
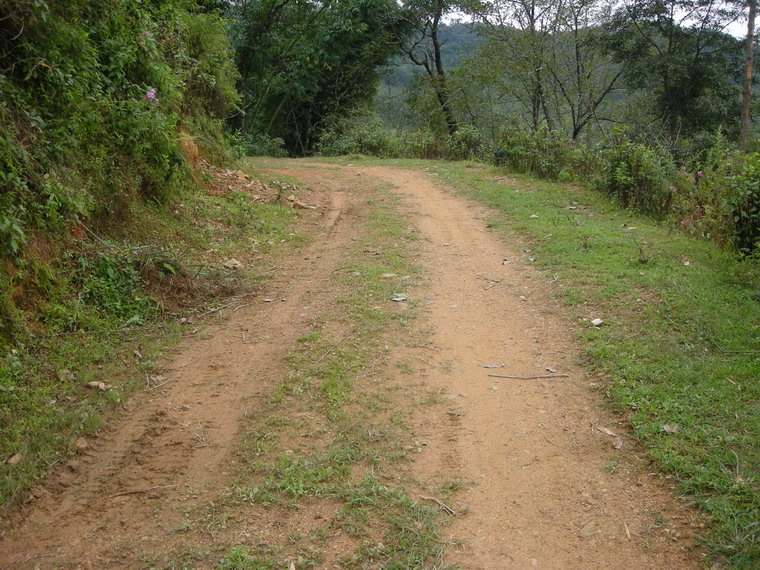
{"points": [[544, 485]]}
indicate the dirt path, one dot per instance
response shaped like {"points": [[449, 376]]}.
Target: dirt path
{"points": [[543, 486]]}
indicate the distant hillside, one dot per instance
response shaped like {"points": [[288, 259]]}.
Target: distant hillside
{"points": [[459, 42]]}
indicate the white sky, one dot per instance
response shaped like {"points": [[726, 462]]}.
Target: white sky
{"points": [[738, 29]]}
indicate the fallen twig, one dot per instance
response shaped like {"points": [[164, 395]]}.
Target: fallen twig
{"points": [[142, 490], [161, 384], [529, 377], [352, 331], [448, 510]]}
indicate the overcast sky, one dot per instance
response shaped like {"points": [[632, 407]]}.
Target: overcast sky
{"points": [[737, 29]]}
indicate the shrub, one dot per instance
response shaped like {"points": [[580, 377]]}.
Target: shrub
{"points": [[543, 153], [465, 144], [743, 205], [359, 134], [636, 176]]}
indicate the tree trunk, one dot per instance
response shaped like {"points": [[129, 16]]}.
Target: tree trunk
{"points": [[744, 124], [439, 80]]}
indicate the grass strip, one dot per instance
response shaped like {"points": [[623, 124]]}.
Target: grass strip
{"points": [[339, 393]]}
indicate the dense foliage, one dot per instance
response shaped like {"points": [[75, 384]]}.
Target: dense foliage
{"points": [[303, 62], [94, 98]]}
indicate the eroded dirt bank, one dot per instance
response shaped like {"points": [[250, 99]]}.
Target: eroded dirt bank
{"points": [[536, 457]]}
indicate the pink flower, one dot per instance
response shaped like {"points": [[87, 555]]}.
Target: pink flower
{"points": [[700, 174]]}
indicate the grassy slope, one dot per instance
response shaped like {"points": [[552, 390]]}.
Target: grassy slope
{"points": [[680, 342]]}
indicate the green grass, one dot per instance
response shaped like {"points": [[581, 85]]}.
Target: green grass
{"points": [[95, 285]]}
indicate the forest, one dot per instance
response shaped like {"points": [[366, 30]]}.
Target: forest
{"points": [[108, 107]]}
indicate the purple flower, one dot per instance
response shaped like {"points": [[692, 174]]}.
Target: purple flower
{"points": [[150, 95]]}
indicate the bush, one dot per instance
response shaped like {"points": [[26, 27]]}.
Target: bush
{"points": [[638, 177], [258, 144], [91, 101], [359, 134], [743, 205], [542, 153], [465, 144]]}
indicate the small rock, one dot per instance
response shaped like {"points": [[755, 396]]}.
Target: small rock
{"points": [[81, 444], [97, 386], [15, 459], [617, 443], [588, 530], [232, 263], [671, 429], [597, 322], [399, 297], [533, 216]]}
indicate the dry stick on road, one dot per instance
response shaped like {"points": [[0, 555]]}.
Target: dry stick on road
{"points": [[352, 331], [528, 377], [445, 508], [142, 490]]}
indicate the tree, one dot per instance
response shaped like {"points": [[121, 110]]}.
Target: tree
{"points": [[677, 51], [424, 50], [545, 53], [303, 61], [522, 29], [749, 48]]}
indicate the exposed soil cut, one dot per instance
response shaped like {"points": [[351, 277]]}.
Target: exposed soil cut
{"points": [[548, 476]]}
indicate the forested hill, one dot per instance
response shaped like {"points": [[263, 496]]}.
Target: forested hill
{"points": [[459, 42]]}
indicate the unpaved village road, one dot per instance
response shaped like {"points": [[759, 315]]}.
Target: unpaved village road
{"points": [[535, 454]]}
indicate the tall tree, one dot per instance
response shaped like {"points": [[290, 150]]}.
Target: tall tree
{"points": [[677, 51], [749, 48], [523, 29], [424, 49], [545, 53], [303, 61]]}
